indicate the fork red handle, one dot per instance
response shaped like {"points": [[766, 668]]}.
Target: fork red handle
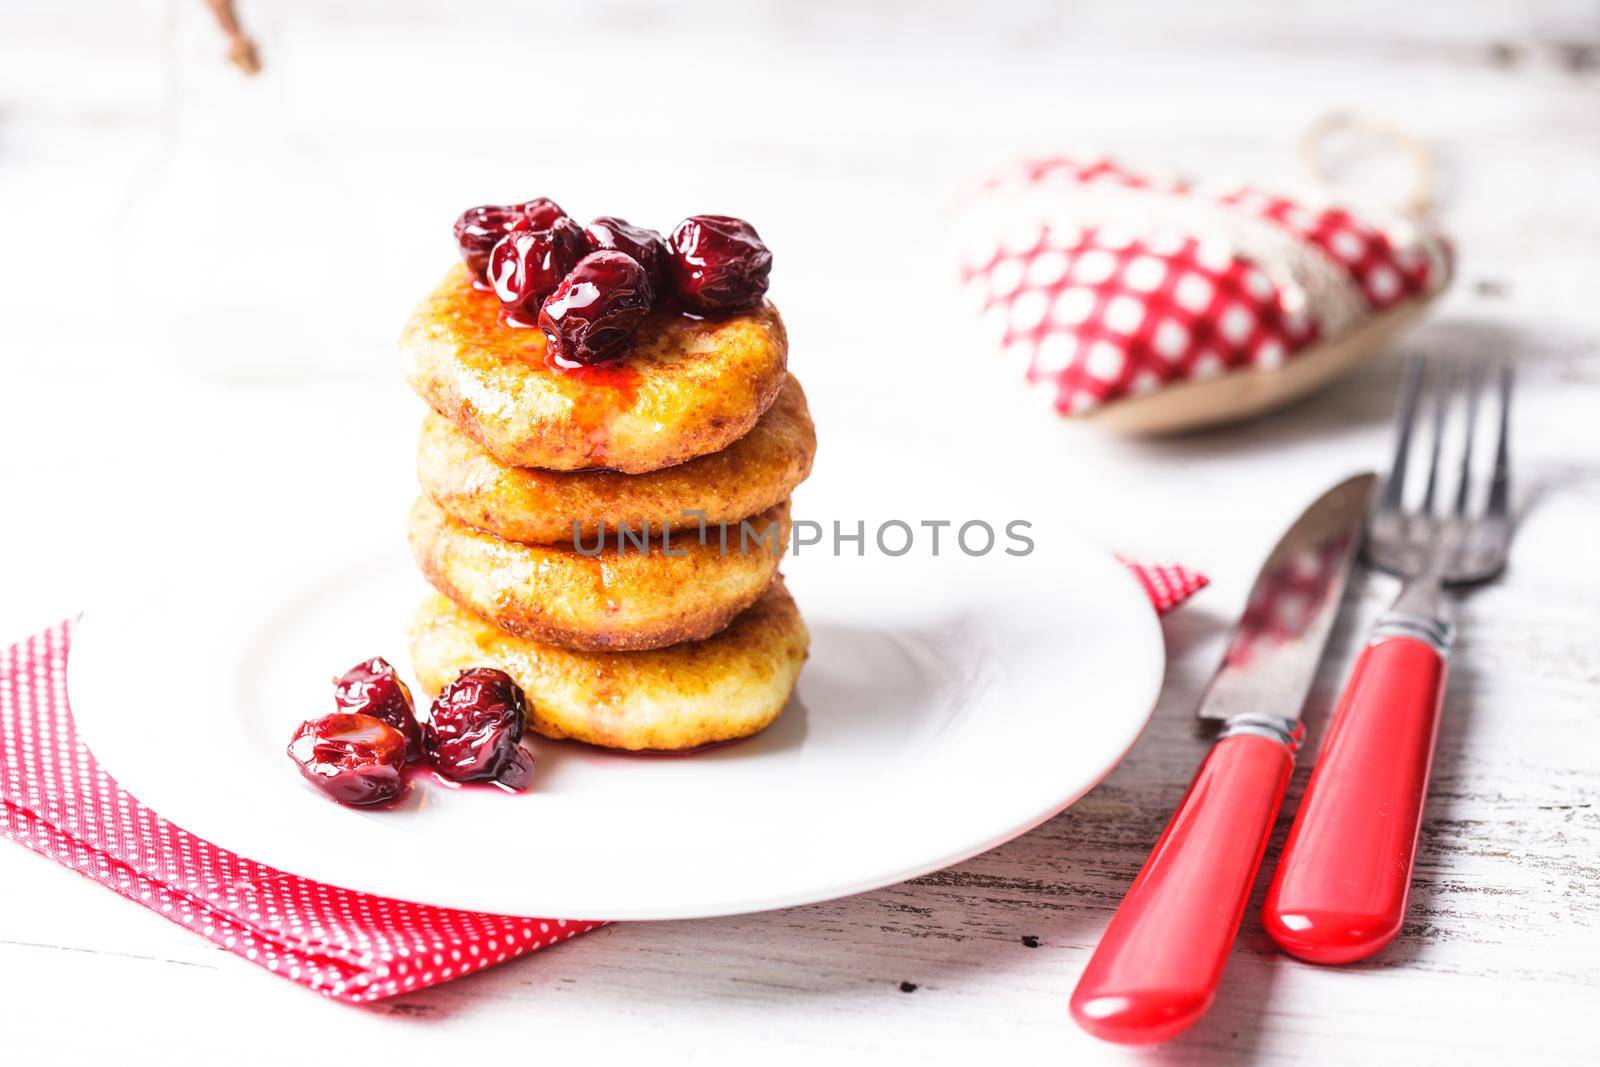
{"points": [[1157, 966], [1339, 893]]}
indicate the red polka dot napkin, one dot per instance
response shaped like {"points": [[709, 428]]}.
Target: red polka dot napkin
{"points": [[55, 799], [1166, 584]]}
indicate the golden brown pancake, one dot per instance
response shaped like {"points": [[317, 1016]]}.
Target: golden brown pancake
{"points": [[620, 598], [693, 694], [688, 386], [539, 506]]}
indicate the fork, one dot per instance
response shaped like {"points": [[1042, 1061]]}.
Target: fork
{"points": [[1339, 892]]}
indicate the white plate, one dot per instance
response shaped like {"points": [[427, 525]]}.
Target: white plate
{"points": [[950, 703]]}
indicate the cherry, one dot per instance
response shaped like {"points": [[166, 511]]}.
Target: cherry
{"points": [[472, 732], [718, 263], [517, 772], [527, 264], [542, 213], [595, 312], [611, 234], [480, 228], [372, 688], [356, 759]]}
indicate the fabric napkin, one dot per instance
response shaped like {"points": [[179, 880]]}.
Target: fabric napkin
{"points": [[56, 800]]}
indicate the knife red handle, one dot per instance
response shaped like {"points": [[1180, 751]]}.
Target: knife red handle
{"points": [[1339, 893], [1156, 969]]}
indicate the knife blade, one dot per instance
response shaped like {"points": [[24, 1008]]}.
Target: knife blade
{"points": [[1158, 964], [1275, 647]]}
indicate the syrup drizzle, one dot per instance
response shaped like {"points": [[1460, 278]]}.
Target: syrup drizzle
{"points": [[601, 391], [604, 389]]}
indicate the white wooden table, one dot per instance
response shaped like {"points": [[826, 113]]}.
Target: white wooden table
{"points": [[372, 127]]}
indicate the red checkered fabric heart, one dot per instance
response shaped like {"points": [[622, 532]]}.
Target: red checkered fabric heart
{"points": [[1101, 284], [56, 800]]}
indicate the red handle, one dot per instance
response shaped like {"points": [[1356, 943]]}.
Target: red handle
{"points": [[1156, 969], [1339, 893]]}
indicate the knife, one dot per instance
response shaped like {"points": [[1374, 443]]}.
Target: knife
{"points": [[1156, 969]]}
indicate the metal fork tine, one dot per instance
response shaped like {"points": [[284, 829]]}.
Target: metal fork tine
{"points": [[1442, 373], [1448, 541], [1474, 386], [1500, 486], [1404, 418]]}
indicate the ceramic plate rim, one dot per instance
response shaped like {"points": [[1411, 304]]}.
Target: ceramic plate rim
{"points": [[118, 750]]}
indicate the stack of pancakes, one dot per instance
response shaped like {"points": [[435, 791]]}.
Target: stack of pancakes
{"points": [[610, 535]]}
